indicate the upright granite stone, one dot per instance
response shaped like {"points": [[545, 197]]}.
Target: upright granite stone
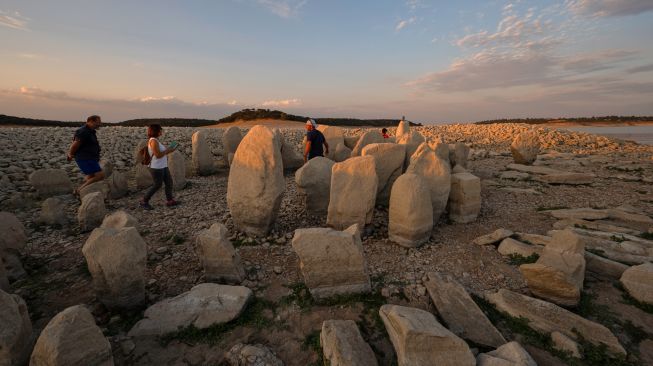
{"points": [[177, 168], [91, 211], [525, 147], [411, 140], [343, 345], [53, 212], [419, 340], [202, 156], [220, 260], [204, 305], [334, 136], [142, 176], [137, 151], [12, 243], [107, 167], [256, 183], [369, 137], [638, 281], [101, 186], [464, 198], [332, 262], [71, 338], [437, 174], [402, 128], [231, 139], [118, 220], [15, 330], [410, 213], [290, 157], [116, 260], [460, 313], [458, 154], [388, 161], [547, 317], [353, 192], [118, 186], [351, 141], [558, 274], [51, 182], [314, 183], [342, 153]]}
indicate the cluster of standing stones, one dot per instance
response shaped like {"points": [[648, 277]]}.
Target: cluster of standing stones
{"points": [[419, 180]]}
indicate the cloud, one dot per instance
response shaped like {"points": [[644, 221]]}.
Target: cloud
{"points": [[13, 20], [596, 61], [281, 103], [643, 68], [283, 8], [609, 8], [403, 23]]}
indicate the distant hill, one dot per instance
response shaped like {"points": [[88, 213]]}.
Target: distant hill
{"points": [[167, 122], [617, 120], [20, 121]]}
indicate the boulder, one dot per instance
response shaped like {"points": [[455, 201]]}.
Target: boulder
{"points": [[352, 192], [119, 220], [332, 262], [251, 355], [116, 261], [204, 305], [256, 182], [290, 157], [580, 213], [91, 211], [514, 175], [351, 141], [510, 354], [343, 345], [118, 186], [231, 138], [534, 239], [341, 153], [13, 236], [53, 212], [220, 260], [411, 140], [16, 330], [638, 281], [142, 176], [567, 178], [403, 128], [464, 198], [202, 157], [136, 153], [437, 174], [460, 313], [71, 338], [101, 186], [334, 136], [525, 147], [369, 137], [388, 162], [51, 182], [441, 149], [419, 340], [410, 215], [314, 183], [547, 317], [558, 274], [107, 167], [177, 168], [604, 266], [493, 237], [510, 246], [458, 154]]}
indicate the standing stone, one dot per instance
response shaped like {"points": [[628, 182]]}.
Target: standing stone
{"points": [[464, 198], [202, 156], [231, 139], [333, 136], [12, 243], [343, 345], [419, 340], [101, 186], [177, 168], [389, 162], [411, 213], [220, 260], [251, 355], [314, 183], [53, 212], [143, 176], [71, 338], [441, 149], [256, 183], [51, 182], [332, 262], [137, 151], [291, 158], [638, 281], [525, 147], [460, 313], [402, 129], [353, 192], [118, 186], [15, 330], [351, 141], [437, 174], [369, 137], [558, 274], [458, 154], [91, 211], [107, 168], [119, 220], [342, 153], [116, 260], [412, 140]]}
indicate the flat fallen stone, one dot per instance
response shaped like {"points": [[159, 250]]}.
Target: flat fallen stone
{"points": [[460, 313], [638, 281], [600, 225], [204, 305], [567, 178], [343, 345], [580, 213], [565, 344], [547, 317], [533, 169], [510, 354], [535, 239], [604, 266], [510, 246], [514, 175], [494, 237], [520, 190]]}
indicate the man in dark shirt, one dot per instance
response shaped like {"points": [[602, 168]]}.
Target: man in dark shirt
{"points": [[314, 141], [85, 149]]}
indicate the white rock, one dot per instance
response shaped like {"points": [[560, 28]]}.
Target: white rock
{"points": [[464, 198], [314, 183], [91, 211], [343, 345], [389, 161], [101, 186], [118, 220], [437, 174], [118, 187], [493, 237], [369, 137], [177, 168], [410, 213], [510, 354], [352, 192], [458, 154], [342, 153], [565, 344], [231, 138], [202, 157], [51, 182], [525, 147], [220, 260], [142, 176], [638, 281], [334, 136], [510, 246]]}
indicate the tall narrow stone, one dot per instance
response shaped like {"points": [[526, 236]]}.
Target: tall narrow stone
{"points": [[15, 330], [464, 198], [353, 192], [369, 137], [177, 167], [333, 136], [411, 213], [525, 147], [202, 156], [314, 184], [437, 174], [91, 212], [118, 186], [231, 138], [389, 161], [343, 344], [412, 140], [220, 260]]}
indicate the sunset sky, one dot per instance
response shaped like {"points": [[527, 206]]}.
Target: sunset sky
{"points": [[433, 61]]}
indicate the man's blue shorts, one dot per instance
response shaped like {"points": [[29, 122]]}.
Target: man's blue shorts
{"points": [[88, 167]]}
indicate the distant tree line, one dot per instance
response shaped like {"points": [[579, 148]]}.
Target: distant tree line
{"points": [[537, 121], [11, 120], [167, 122]]}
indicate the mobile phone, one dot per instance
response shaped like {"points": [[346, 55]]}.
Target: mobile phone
{"points": [[174, 144]]}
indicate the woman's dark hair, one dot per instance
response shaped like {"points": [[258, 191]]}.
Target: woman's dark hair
{"points": [[384, 130], [154, 130]]}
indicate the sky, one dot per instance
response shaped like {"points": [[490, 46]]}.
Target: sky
{"points": [[432, 61]]}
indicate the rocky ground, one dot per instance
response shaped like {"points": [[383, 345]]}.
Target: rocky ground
{"points": [[284, 317]]}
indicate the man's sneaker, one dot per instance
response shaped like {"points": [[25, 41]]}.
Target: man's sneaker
{"points": [[172, 203], [145, 206]]}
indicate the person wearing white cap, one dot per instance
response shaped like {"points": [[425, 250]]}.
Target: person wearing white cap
{"points": [[314, 141]]}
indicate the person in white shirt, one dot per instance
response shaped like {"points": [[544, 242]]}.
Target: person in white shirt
{"points": [[158, 167]]}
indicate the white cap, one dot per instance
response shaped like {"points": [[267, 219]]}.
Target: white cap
{"points": [[311, 122]]}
